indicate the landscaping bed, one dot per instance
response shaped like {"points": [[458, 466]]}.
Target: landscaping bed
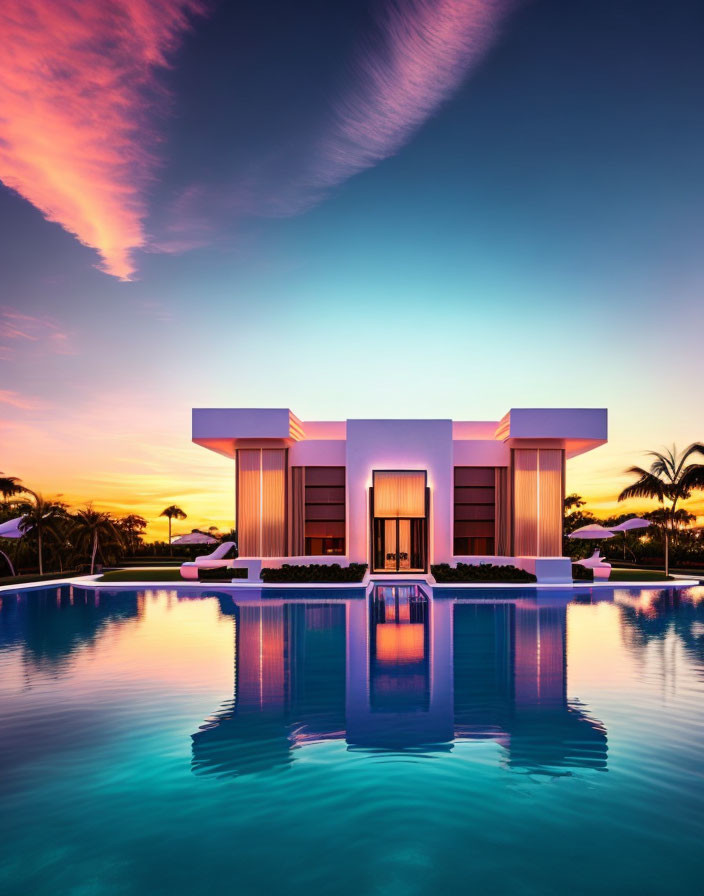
{"points": [[221, 574], [171, 574], [479, 573], [314, 573]]}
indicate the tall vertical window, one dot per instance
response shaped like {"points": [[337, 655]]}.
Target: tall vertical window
{"points": [[475, 493], [538, 487], [323, 490], [261, 502]]}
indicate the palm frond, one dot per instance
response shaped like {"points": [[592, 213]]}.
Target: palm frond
{"points": [[664, 464], [646, 486], [692, 478], [694, 448]]}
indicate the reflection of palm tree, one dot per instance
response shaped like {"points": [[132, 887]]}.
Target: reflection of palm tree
{"points": [[173, 513], [51, 624], [670, 611], [669, 478], [93, 527]]}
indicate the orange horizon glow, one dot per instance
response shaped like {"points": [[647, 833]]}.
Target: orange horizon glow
{"points": [[202, 483]]}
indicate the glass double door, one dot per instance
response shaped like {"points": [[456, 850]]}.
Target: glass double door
{"points": [[399, 545]]}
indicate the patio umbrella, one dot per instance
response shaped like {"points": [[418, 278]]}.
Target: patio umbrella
{"points": [[195, 538], [593, 531], [635, 522], [11, 529]]}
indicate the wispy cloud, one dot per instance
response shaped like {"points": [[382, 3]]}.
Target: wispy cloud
{"points": [[421, 53], [414, 59], [19, 329], [22, 402], [76, 82]]}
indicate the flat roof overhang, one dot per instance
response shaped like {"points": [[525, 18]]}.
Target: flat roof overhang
{"points": [[577, 429], [223, 429]]}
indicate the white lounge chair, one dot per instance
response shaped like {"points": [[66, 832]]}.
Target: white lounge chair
{"points": [[216, 560], [600, 567]]}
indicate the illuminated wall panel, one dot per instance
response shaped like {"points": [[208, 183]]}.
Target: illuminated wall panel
{"points": [[249, 495], [399, 493], [261, 502], [537, 502]]}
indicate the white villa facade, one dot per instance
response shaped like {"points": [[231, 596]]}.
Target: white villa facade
{"points": [[401, 495]]}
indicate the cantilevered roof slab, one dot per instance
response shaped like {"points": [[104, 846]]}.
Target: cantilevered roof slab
{"points": [[578, 429], [222, 429]]}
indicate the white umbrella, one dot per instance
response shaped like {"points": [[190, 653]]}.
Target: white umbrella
{"points": [[195, 538], [592, 531], [635, 522], [11, 528]]}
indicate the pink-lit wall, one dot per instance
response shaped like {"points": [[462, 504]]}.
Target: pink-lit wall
{"points": [[399, 445], [317, 453]]}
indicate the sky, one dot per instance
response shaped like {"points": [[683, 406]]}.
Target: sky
{"points": [[428, 208]]}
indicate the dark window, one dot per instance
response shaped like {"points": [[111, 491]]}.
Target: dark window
{"points": [[474, 511], [325, 511]]}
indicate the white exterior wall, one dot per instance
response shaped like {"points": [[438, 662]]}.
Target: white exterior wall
{"points": [[481, 453], [399, 445], [317, 453]]}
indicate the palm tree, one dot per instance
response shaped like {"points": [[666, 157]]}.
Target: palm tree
{"points": [[10, 486], [90, 528], [173, 513], [670, 478], [132, 529], [40, 517]]}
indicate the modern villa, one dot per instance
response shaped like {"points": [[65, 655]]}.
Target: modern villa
{"points": [[401, 495]]}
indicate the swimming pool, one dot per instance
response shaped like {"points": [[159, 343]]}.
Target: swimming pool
{"points": [[166, 741]]}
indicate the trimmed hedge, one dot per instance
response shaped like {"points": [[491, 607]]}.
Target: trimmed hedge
{"points": [[315, 572], [221, 574], [479, 572]]}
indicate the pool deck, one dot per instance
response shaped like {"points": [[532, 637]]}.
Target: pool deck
{"points": [[678, 581]]}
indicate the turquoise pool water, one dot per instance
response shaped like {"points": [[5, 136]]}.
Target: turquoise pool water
{"points": [[172, 742]]}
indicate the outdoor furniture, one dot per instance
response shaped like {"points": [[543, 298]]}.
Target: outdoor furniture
{"points": [[215, 560], [600, 567]]}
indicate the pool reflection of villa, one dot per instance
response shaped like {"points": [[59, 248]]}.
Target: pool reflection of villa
{"points": [[399, 671]]}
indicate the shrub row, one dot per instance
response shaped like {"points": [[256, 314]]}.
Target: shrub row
{"points": [[479, 572], [220, 574], [315, 572]]}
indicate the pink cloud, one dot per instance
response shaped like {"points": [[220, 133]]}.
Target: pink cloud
{"points": [[418, 55], [423, 51], [15, 400], [77, 81], [17, 328]]}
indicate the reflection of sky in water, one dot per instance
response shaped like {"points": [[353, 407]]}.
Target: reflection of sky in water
{"points": [[511, 734]]}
